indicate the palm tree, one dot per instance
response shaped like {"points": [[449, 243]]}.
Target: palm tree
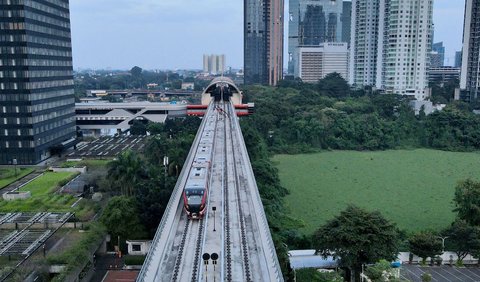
{"points": [[156, 149], [126, 171]]}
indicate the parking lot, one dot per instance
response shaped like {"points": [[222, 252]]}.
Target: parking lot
{"points": [[108, 147], [442, 273]]}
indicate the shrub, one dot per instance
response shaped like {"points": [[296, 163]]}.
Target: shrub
{"points": [[134, 260]]}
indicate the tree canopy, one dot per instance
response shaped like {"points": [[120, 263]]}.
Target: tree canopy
{"points": [[357, 237], [463, 239], [425, 244], [300, 117], [467, 201], [120, 217], [126, 171]]}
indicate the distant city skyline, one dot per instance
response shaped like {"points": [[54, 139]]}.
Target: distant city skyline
{"points": [[172, 34]]}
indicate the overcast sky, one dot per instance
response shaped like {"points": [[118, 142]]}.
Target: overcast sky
{"points": [[174, 34]]}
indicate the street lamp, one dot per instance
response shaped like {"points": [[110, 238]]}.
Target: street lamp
{"points": [[165, 164], [14, 161], [443, 242]]}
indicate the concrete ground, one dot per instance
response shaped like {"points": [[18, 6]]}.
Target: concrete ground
{"points": [[444, 273], [104, 263], [107, 147]]}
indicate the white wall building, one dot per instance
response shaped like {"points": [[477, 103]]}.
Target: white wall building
{"points": [[214, 64], [391, 45], [364, 38], [315, 62]]}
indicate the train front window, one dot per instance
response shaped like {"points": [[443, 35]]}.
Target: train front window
{"points": [[194, 192]]}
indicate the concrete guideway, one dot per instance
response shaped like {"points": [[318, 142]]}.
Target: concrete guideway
{"points": [[241, 238]]}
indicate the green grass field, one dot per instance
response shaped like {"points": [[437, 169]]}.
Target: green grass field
{"points": [[44, 199], [7, 175], [88, 163], [413, 188]]}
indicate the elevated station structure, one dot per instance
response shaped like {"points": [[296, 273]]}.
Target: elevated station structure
{"points": [[99, 118], [233, 236]]}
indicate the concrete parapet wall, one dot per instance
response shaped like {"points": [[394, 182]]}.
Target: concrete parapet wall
{"points": [[69, 169], [10, 196], [40, 225]]}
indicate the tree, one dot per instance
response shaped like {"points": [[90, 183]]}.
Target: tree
{"points": [[357, 237], [334, 85], [467, 201], [312, 275], [120, 217], [425, 244], [155, 128], [126, 171], [464, 239], [152, 197], [426, 277], [380, 271], [138, 128], [136, 71]]}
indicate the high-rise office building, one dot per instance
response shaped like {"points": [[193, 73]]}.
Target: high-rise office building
{"points": [[312, 22], [437, 57], [214, 64], [458, 59], [263, 41], [36, 80], [316, 62], [470, 73], [346, 21], [391, 45]]}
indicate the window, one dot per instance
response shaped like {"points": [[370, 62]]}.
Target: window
{"points": [[136, 247]]}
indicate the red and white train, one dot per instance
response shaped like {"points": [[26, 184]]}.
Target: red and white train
{"points": [[195, 192]]}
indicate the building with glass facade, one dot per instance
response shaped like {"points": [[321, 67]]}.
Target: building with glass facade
{"points": [[470, 73], [346, 21], [458, 59], [312, 22], [437, 57], [263, 41], [37, 110]]}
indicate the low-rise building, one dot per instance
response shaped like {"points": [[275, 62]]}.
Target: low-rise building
{"points": [[316, 62], [443, 74]]}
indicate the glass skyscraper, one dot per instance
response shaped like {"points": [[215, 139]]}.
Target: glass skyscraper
{"points": [[312, 22], [470, 73], [36, 79], [263, 41]]}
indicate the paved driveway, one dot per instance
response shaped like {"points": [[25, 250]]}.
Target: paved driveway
{"points": [[442, 273]]}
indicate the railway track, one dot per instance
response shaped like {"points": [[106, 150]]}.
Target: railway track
{"points": [[242, 239], [235, 190], [188, 259]]}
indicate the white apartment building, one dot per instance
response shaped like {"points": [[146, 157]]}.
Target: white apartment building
{"points": [[402, 35], [316, 62], [364, 51], [214, 64]]}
